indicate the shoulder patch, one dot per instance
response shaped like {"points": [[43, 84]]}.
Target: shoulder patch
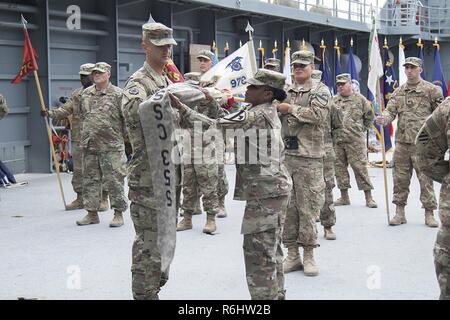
{"points": [[322, 97], [135, 91]]}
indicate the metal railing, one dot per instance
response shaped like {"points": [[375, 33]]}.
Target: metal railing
{"points": [[393, 14]]}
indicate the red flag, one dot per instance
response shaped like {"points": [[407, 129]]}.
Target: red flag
{"points": [[448, 90], [29, 57], [172, 72]]}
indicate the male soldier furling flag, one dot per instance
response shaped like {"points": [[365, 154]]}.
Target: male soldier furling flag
{"points": [[147, 276]]}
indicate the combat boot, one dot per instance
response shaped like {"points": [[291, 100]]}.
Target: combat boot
{"points": [[210, 225], [329, 233], [186, 223], [90, 218], [104, 205], [293, 261], [76, 204], [429, 219], [344, 200], [117, 221], [310, 268], [222, 211], [399, 217], [369, 200]]}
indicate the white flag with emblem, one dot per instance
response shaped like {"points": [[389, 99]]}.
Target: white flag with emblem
{"points": [[234, 71]]}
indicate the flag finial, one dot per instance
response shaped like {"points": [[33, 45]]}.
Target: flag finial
{"points": [[322, 43], [351, 42], [240, 43], [260, 43], [250, 30], [150, 19], [288, 44], [24, 22], [336, 42]]}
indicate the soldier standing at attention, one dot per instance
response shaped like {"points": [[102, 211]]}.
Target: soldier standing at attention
{"points": [[272, 64], [205, 57], [147, 277], [200, 177], [265, 185], [102, 140], [332, 124], [413, 102], [350, 146], [432, 143], [303, 116], [3, 107], [72, 108]]}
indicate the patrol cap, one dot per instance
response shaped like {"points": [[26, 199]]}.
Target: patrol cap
{"points": [[86, 69], [270, 78], [158, 34], [413, 61], [343, 78], [316, 75], [192, 76], [302, 57], [205, 54], [272, 62], [102, 67]]}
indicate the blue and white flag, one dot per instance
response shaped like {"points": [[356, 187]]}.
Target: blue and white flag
{"points": [[234, 70]]}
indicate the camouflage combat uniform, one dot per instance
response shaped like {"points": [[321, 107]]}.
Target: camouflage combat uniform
{"points": [[200, 175], [266, 188], [413, 103], [73, 108], [147, 277], [3, 107], [350, 141], [102, 141], [194, 193], [431, 157], [332, 124], [303, 132]]}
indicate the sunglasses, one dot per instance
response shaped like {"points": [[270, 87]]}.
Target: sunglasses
{"points": [[300, 66]]}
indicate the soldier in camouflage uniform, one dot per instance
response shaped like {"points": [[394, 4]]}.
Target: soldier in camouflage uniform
{"points": [[147, 277], [432, 143], [102, 141], [200, 177], [272, 64], [413, 102], [333, 123], [303, 116], [205, 58], [350, 140], [3, 107], [265, 185], [72, 108]]}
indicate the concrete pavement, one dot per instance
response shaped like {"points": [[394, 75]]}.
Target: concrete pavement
{"points": [[44, 255]]}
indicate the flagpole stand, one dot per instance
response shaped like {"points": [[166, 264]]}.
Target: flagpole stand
{"points": [[49, 134]]}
